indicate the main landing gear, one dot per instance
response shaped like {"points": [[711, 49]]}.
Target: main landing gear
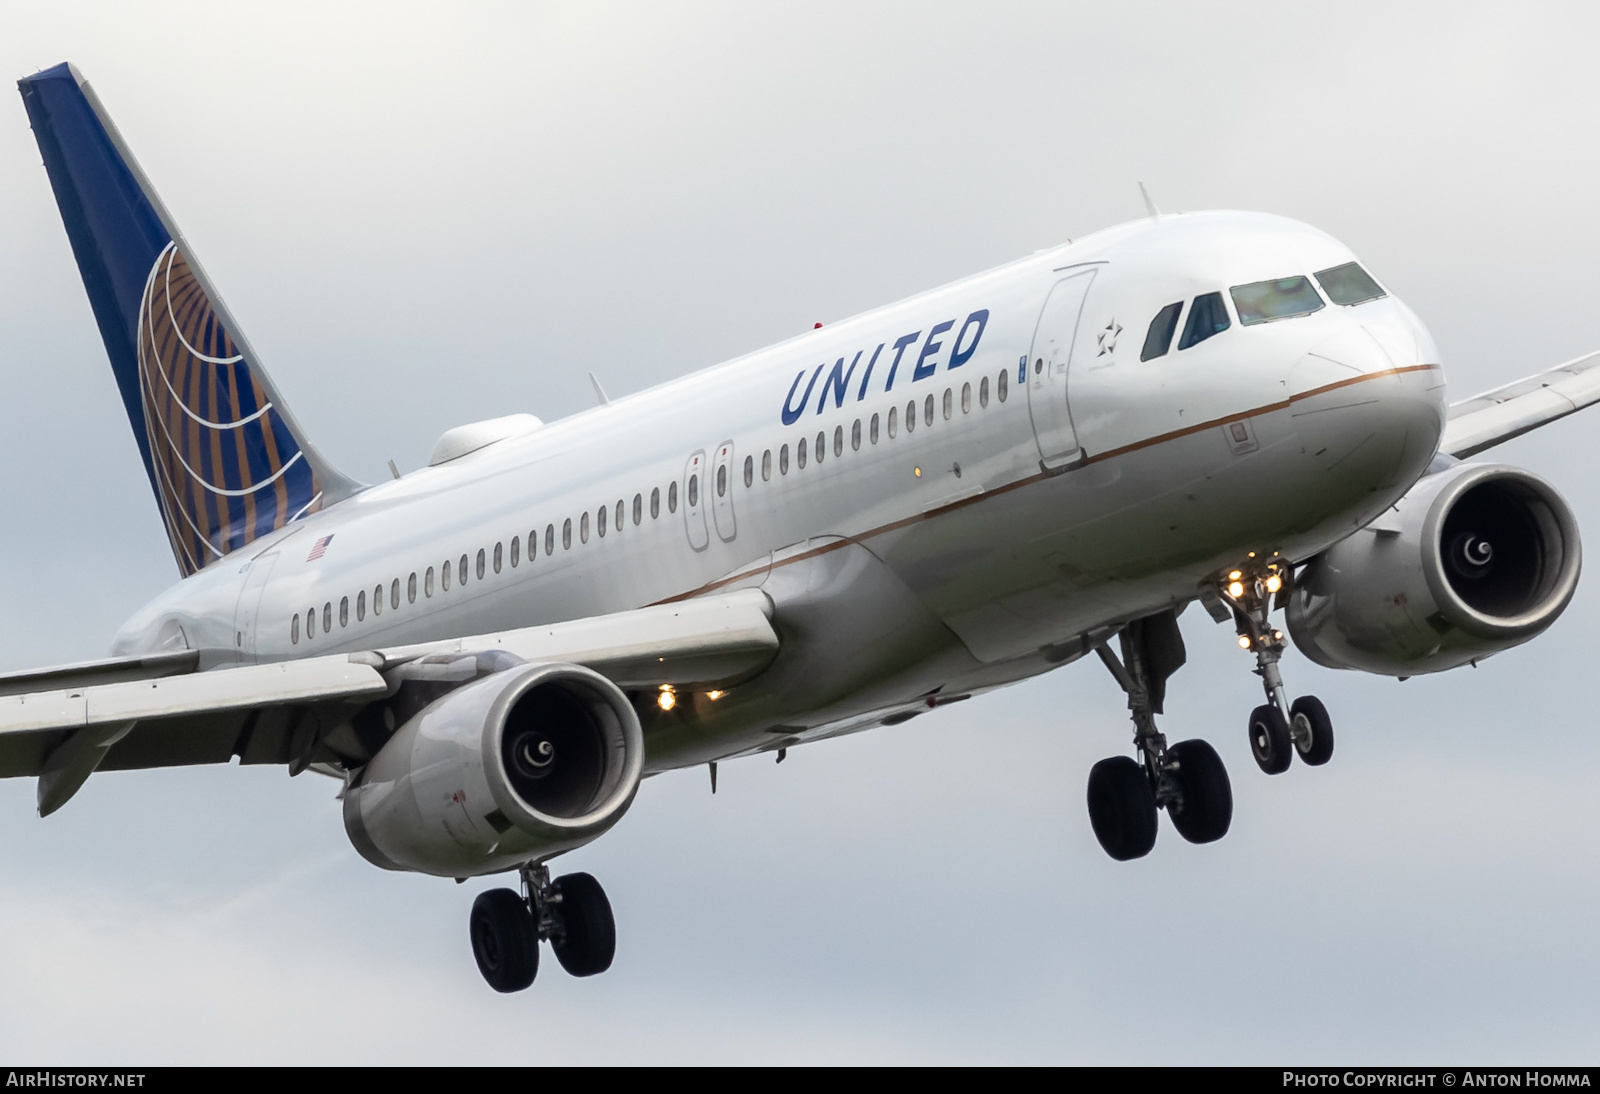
{"points": [[1187, 779], [571, 913], [1278, 728]]}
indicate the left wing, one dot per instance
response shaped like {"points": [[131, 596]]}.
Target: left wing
{"points": [[1510, 411], [66, 723]]}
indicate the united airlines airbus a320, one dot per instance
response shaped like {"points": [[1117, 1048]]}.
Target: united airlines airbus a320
{"points": [[1042, 463]]}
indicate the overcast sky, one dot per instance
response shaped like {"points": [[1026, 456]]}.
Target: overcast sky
{"points": [[423, 216]]}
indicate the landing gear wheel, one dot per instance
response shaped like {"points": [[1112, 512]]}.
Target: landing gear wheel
{"points": [[1313, 730], [1269, 739], [1122, 808], [588, 939], [1207, 808], [504, 940]]}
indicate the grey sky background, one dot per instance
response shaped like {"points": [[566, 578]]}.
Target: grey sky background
{"points": [[427, 215]]}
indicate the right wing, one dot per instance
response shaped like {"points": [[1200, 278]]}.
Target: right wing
{"points": [[1513, 409], [65, 723]]}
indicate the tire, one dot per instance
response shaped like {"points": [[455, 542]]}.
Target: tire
{"points": [[1269, 739], [1309, 714], [1122, 808], [587, 940], [504, 940], [1207, 808]]}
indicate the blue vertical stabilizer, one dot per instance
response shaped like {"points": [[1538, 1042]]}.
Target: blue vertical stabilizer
{"points": [[226, 460]]}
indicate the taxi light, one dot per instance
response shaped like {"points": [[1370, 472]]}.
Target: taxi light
{"points": [[1235, 589], [1244, 642], [1235, 576], [666, 700], [715, 695], [1274, 583]]}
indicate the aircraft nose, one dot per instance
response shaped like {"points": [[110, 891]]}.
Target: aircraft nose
{"points": [[1368, 402]]}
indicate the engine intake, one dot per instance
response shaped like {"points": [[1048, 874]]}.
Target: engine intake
{"points": [[524, 763], [1473, 560]]}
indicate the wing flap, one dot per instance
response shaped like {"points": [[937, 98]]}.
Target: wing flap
{"points": [[1508, 411]]}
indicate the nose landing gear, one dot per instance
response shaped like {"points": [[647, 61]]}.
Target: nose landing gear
{"points": [[1187, 779], [1278, 728], [571, 913]]}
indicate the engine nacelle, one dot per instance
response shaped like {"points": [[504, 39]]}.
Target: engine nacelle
{"points": [[524, 763], [1473, 560]]}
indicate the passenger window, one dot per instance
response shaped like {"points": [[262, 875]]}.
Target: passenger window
{"points": [[766, 466], [672, 497], [444, 579], [694, 490], [783, 460], [911, 416], [583, 527], [600, 521], [894, 415], [1284, 298], [1158, 339], [983, 393], [377, 598], [655, 502], [361, 605], [822, 446], [294, 629], [838, 438], [722, 481], [927, 411], [463, 570], [516, 549], [480, 561], [394, 594], [1000, 385], [800, 454], [872, 430], [855, 436], [619, 521], [749, 471], [411, 588], [1349, 284], [344, 611], [966, 398], [566, 534], [1207, 316], [497, 554], [550, 539], [638, 510], [949, 404], [327, 617], [311, 623], [427, 581]]}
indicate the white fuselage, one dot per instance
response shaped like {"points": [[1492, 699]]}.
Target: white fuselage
{"points": [[907, 565]]}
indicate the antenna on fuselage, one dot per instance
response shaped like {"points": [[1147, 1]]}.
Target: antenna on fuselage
{"points": [[599, 392], [1150, 206]]}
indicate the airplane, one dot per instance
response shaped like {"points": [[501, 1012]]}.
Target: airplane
{"points": [[979, 484]]}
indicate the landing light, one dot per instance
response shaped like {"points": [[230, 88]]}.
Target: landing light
{"points": [[1235, 589], [1244, 642], [715, 695], [1235, 576], [666, 700], [1274, 583]]}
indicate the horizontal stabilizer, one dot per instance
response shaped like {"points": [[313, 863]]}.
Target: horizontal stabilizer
{"points": [[1496, 416]]}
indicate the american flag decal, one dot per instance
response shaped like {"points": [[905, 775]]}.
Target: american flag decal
{"points": [[319, 548]]}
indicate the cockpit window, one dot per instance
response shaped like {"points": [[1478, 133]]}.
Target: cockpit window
{"points": [[1282, 298], [1207, 316], [1349, 284], [1159, 339]]}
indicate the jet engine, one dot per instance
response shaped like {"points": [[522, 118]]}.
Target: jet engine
{"points": [[523, 763], [1473, 560]]}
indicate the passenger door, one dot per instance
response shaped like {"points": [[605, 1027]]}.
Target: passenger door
{"points": [[722, 491], [1047, 370], [694, 513], [247, 614]]}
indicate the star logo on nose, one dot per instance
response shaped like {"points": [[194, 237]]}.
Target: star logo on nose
{"points": [[1108, 338]]}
